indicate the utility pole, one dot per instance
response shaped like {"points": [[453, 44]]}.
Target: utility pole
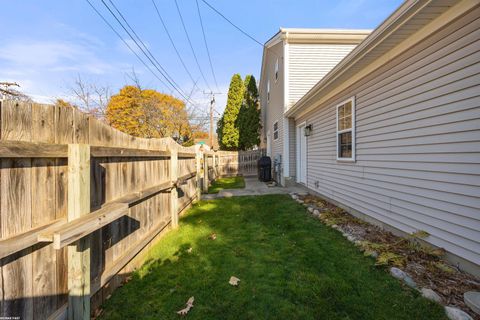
{"points": [[212, 108]]}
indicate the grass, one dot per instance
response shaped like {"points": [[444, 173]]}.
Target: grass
{"points": [[227, 183], [291, 266]]}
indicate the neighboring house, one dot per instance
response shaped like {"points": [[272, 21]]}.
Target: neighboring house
{"points": [[392, 132], [294, 60]]}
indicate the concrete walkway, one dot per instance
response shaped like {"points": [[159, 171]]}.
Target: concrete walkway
{"points": [[254, 187]]}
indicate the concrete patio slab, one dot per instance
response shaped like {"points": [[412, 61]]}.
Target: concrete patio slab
{"points": [[254, 187]]}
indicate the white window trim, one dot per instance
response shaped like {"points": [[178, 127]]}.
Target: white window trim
{"points": [[278, 133], [352, 159]]}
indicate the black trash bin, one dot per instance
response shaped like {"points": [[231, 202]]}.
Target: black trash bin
{"points": [[265, 169]]}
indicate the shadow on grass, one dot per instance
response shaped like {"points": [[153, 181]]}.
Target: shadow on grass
{"points": [[290, 265]]}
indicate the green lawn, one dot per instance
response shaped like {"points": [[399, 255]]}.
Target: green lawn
{"points": [[227, 183], [290, 265]]}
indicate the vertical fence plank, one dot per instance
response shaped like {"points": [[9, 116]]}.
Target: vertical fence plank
{"points": [[79, 253], [16, 212], [205, 172], [173, 192], [63, 135], [43, 211]]}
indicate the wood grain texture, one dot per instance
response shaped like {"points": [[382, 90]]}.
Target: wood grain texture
{"points": [[99, 151], [29, 238], [43, 212], [79, 253], [21, 149], [16, 212], [85, 225]]}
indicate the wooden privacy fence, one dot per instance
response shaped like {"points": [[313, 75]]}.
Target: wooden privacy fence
{"points": [[228, 163], [79, 201]]}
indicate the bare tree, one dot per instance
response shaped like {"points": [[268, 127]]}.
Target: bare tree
{"points": [[8, 92], [197, 115], [92, 98], [133, 77]]}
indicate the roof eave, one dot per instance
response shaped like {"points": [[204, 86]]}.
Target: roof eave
{"points": [[370, 41]]}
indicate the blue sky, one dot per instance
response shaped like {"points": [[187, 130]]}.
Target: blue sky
{"points": [[47, 44]]}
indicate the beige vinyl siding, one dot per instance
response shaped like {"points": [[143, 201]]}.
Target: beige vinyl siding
{"points": [[292, 130], [417, 141], [309, 63], [274, 108]]}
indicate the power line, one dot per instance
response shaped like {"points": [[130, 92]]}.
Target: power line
{"points": [[149, 56], [173, 43], [126, 43], [191, 46], [206, 45], [233, 24]]}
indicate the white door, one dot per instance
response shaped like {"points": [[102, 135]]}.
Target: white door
{"points": [[301, 154]]}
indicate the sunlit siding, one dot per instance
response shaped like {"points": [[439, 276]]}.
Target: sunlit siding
{"points": [[418, 141], [309, 63], [274, 108]]}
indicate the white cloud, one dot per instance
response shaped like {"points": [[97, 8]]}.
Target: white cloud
{"points": [[56, 56], [123, 48]]}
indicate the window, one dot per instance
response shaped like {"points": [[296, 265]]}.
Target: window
{"points": [[275, 130], [346, 130], [268, 90], [276, 70]]}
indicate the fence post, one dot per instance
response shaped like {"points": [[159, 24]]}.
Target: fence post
{"points": [[205, 172], [214, 173], [79, 252], [199, 174], [174, 192]]}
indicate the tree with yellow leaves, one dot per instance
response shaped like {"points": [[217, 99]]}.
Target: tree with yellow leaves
{"points": [[148, 113]]}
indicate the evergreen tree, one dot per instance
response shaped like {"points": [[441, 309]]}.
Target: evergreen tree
{"points": [[248, 121], [220, 133], [229, 134]]}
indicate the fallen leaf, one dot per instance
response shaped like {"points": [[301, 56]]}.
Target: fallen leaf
{"points": [[213, 236], [234, 281], [189, 306]]}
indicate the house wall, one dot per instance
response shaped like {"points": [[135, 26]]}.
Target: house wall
{"points": [[292, 151], [417, 142], [309, 63], [273, 110]]}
